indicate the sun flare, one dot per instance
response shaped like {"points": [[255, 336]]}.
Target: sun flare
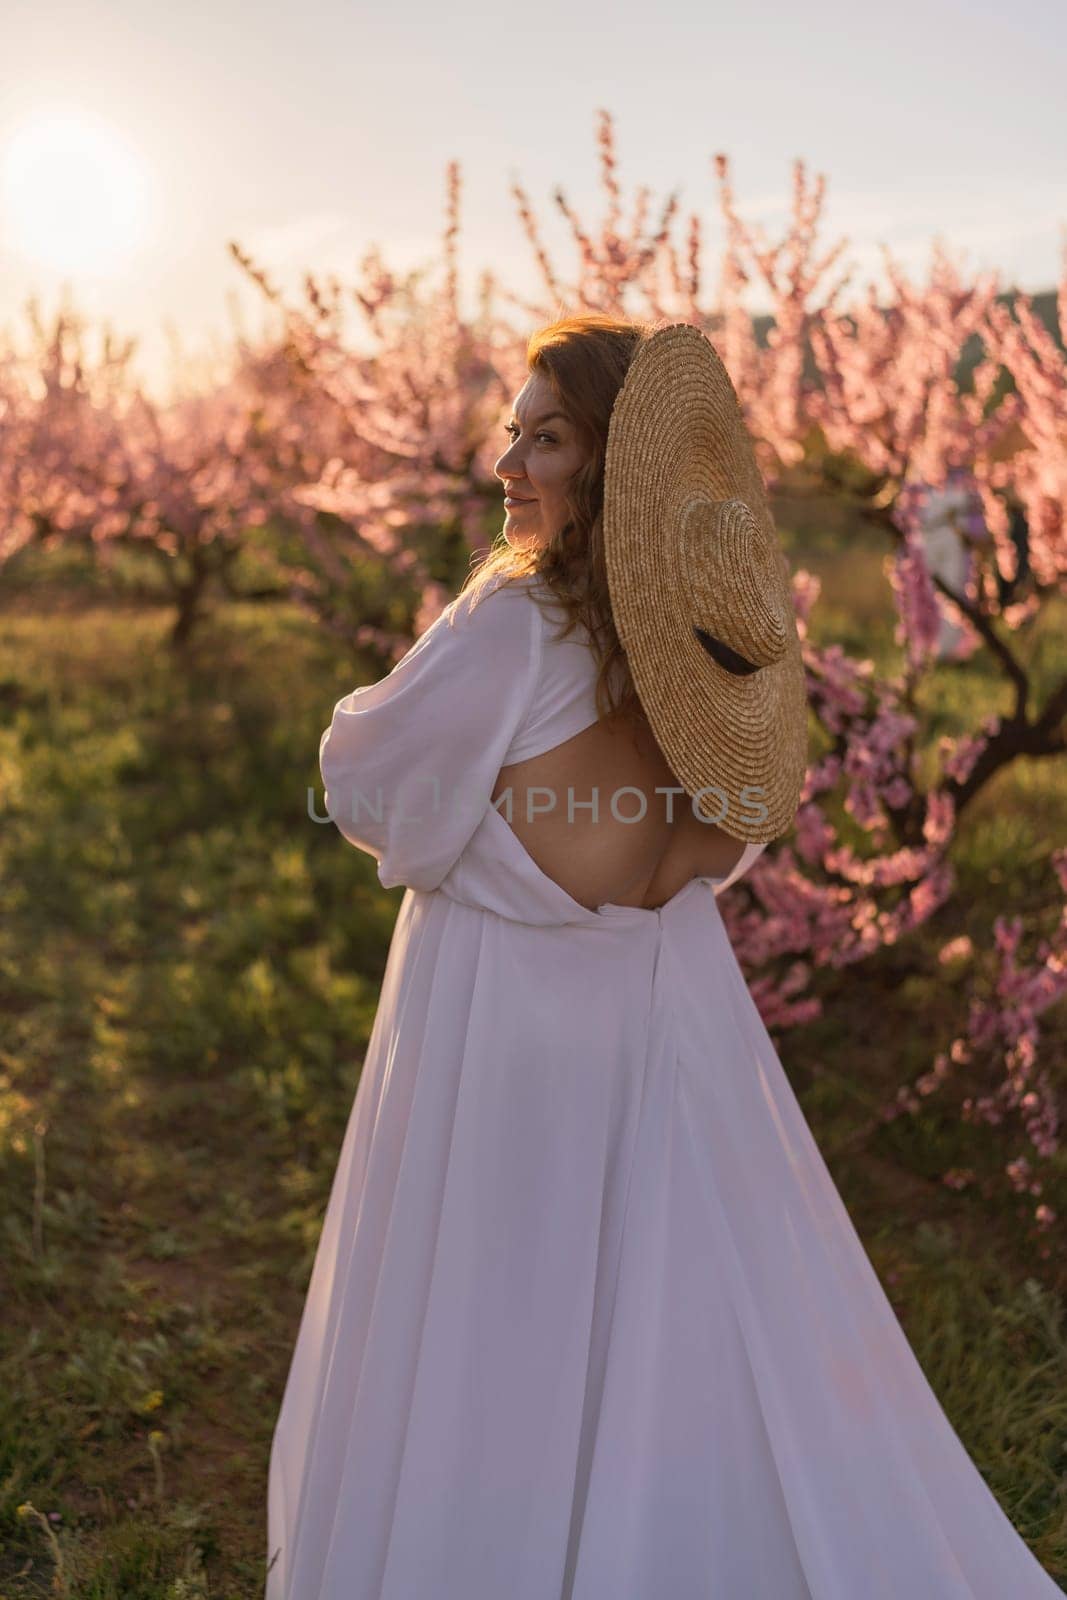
{"points": [[74, 197]]}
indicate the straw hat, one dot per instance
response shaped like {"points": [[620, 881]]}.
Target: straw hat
{"points": [[700, 588]]}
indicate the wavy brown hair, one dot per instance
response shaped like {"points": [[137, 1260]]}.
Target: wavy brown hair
{"points": [[584, 359]]}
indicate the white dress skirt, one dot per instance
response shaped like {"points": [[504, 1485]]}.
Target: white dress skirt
{"points": [[588, 1319]]}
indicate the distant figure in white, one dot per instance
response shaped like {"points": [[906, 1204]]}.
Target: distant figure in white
{"points": [[947, 513]]}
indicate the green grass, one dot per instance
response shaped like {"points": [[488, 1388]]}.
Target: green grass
{"points": [[189, 970]]}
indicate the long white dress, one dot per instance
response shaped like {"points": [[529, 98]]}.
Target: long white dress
{"points": [[588, 1319]]}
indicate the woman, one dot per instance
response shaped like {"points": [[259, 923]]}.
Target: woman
{"points": [[588, 1319]]}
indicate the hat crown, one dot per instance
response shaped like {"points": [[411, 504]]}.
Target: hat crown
{"points": [[732, 571]]}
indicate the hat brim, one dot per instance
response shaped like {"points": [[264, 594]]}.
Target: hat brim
{"points": [[737, 743]]}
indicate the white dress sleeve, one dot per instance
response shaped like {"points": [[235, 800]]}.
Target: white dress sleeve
{"points": [[409, 762]]}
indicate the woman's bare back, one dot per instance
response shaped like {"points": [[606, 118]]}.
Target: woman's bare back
{"points": [[602, 857]]}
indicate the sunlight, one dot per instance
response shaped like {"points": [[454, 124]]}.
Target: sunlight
{"points": [[73, 196]]}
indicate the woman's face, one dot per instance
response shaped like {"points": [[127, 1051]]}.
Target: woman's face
{"points": [[542, 457]]}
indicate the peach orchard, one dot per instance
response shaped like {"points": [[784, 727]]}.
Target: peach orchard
{"points": [[356, 464]]}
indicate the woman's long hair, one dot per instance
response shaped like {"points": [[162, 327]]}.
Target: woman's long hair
{"points": [[584, 359]]}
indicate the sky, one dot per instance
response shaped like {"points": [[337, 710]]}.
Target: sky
{"points": [[310, 132]]}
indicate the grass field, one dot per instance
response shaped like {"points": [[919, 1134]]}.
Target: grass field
{"points": [[189, 970]]}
